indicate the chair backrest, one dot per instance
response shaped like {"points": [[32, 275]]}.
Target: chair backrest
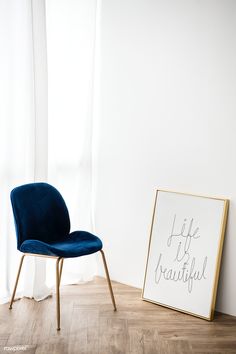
{"points": [[40, 213]]}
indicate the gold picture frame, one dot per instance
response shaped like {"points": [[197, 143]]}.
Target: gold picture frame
{"points": [[184, 252]]}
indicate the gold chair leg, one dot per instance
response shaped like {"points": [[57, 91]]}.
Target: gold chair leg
{"points": [[61, 266], [108, 279], [58, 268], [16, 283]]}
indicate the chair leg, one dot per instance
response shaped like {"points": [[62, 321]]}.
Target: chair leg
{"points": [[61, 266], [58, 268], [16, 283], [108, 279]]}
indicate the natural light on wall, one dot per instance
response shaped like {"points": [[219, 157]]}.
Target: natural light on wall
{"points": [[70, 49]]}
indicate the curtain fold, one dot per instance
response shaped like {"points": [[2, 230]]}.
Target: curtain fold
{"points": [[35, 268]]}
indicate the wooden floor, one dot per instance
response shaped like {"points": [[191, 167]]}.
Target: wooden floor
{"points": [[89, 325]]}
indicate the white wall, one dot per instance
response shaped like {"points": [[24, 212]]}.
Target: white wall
{"points": [[167, 119]]}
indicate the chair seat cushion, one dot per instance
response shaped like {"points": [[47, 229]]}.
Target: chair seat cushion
{"points": [[77, 243]]}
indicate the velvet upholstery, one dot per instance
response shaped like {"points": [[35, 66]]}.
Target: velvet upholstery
{"points": [[43, 225], [78, 243]]}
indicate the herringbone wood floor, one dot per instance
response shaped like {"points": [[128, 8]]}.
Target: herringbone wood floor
{"points": [[89, 325]]}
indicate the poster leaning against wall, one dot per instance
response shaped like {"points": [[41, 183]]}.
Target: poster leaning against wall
{"points": [[184, 252]]}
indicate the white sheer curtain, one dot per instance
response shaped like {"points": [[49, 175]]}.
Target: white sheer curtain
{"points": [[22, 118], [31, 141], [71, 29]]}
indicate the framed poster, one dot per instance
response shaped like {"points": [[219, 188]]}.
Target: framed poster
{"points": [[184, 253]]}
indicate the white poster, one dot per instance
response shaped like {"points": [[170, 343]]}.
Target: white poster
{"points": [[184, 252]]}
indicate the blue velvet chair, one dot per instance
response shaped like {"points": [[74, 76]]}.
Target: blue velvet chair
{"points": [[43, 229]]}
